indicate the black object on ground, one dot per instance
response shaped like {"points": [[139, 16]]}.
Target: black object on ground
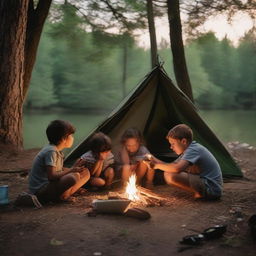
{"points": [[208, 234], [137, 213], [214, 232], [26, 199], [252, 225], [192, 239]]}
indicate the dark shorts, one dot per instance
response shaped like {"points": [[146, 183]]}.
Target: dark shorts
{"points": [[102, 176], [48, 192], [197, 183], [194, 181]]}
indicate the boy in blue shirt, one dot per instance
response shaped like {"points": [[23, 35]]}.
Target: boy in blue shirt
{"points": [[48, 179], [195, 170]]}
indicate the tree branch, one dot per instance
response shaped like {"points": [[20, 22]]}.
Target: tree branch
{"points": [[117, 15]]}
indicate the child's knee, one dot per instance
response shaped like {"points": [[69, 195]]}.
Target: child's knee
{"points": [[102, 182], [86, 174], [76, 175], [72, 179], [97, 182], [142, 166]]}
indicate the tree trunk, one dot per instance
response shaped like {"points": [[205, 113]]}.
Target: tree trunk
{"points": [[13, 22], [152, 33], [20, 30], [179, 61]]}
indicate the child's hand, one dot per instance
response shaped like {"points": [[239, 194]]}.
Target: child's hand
{"points": [[150, 163], [78, 169], [79, 163], [103, 155]]}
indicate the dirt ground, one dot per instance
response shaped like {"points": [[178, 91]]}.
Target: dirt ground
{"points": [[66, 229]]}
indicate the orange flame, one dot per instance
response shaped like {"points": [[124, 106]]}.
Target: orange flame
{"points": [[131, 190]]}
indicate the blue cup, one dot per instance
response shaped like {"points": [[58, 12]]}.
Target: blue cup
{"points": [[4, 195]]}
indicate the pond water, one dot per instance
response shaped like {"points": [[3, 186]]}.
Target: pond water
{"points": [[230, 125], [227, 125], [34, 126]]}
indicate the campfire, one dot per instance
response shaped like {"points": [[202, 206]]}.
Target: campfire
{"points": [[131, 189], [131, 198], [138, 195]]}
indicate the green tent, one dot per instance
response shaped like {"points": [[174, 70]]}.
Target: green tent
{"points": [[155, 106]]}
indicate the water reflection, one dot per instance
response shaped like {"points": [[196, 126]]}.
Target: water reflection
{"points": [[228, 125]]}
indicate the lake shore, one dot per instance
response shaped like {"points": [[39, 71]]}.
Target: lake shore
{"points": [[227, 125]]}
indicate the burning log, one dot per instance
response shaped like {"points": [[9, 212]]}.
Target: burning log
{"points": [[145, 197], [149, 193], [138, 195]]}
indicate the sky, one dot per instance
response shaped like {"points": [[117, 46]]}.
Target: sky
{"points": [[218, 24], [241, 24]]}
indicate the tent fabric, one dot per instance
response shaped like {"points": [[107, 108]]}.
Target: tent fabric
{"points": [[154, 107]]}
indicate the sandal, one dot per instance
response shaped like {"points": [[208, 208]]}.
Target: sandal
{"points": [[214, 232], [208, 234], [192, 239]]}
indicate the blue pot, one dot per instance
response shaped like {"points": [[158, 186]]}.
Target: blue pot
{"points": [[4, 195]]}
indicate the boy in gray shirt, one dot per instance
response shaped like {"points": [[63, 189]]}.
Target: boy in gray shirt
{"points": [[195, 170], [48, 179]]}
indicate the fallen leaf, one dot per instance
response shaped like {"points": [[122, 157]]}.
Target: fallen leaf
{"points": [[97, 253], [56, 242]]}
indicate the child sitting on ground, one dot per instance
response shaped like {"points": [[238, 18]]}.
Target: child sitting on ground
{"points": [[195, 170], [99, 161], [48, 179], [130, 158]]}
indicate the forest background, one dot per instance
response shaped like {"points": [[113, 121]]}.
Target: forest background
{"points": [[81, 70]]}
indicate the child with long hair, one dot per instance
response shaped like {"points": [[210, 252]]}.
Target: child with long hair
{"points": [[130, 158], [99, 160]]}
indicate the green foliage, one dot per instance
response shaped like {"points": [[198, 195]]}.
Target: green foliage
{"points": [[85, 80], [41, 92], [77, 69], [246, 83], [123, 15], [230, 69], [205, 91]]}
